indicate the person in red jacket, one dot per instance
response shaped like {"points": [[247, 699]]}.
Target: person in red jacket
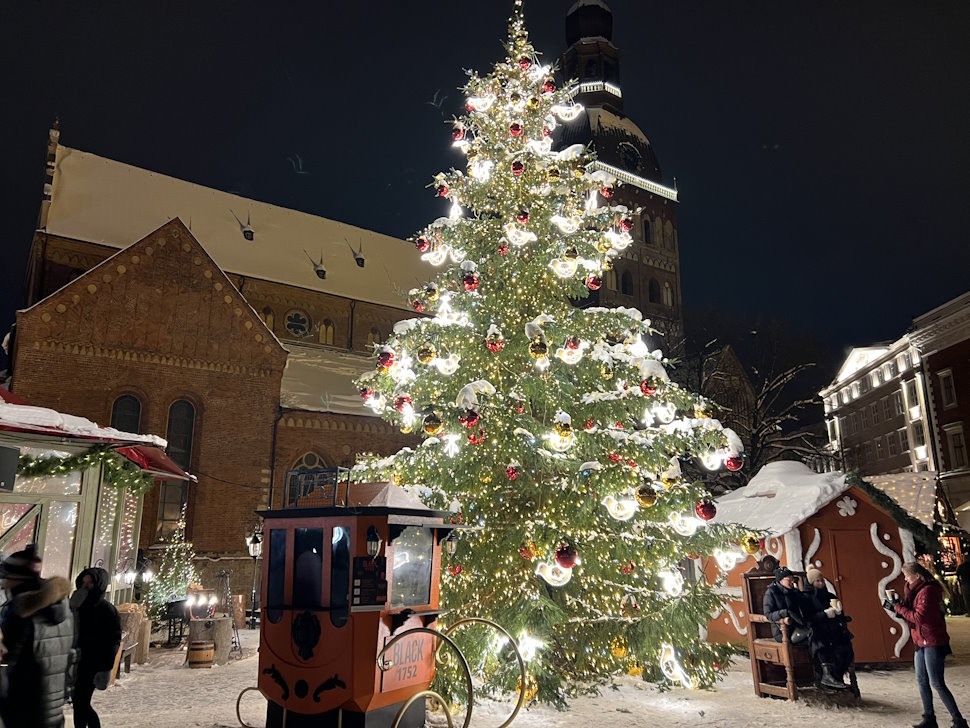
{"points": [[922, 608]]}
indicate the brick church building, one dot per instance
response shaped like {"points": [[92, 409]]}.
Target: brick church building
{"points": [[235, 328]]}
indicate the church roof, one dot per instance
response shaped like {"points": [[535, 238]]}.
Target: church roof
{"points": [[102, 201], [617, 139]]}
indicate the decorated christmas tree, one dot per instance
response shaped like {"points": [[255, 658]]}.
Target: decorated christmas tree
{"points": [[552, 428], [175, 572]]}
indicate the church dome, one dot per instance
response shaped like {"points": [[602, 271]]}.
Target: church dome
{"points": [[616, 139], [589, 19]]}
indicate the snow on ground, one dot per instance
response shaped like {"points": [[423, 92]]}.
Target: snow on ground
{"points": [[165, 694]]}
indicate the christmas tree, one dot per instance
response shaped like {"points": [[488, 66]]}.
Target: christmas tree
{"points": [[551, 427], [175, 573]]}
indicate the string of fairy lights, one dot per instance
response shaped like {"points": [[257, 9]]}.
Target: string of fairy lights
{"points": [[553, 428], [118, 471]]}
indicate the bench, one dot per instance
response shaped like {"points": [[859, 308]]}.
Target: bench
{"points": [[127, 650]]}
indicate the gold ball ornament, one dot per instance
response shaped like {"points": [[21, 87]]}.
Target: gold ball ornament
{"points": [[533, 102], [750, 543], [603, 245], [646, 496], [606, 371], [607, 264], [432, 292], [407, 429], [635, 669], [701, 413], [570, 253], [563, 429], [669, 481], [432, 424], [426, 353], [529, 689], [553, 174], [538, 348], [618, 647], [485, 478]]}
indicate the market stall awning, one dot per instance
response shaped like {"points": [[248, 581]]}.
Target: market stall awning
{"points": [[154, 461]]}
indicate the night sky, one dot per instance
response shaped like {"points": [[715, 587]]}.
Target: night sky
{"points": [[820, 148]]}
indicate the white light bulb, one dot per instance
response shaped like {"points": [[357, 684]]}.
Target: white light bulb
{"points": [[567, 113], [684, 525], [672, 669], [567, 224], [450, 444], [564, 268], [553, 573], [437, 255], [620, 509]]}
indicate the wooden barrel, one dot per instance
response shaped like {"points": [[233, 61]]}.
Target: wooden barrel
{"points": [[201, 654]]}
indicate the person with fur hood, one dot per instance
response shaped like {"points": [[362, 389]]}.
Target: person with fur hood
{"points": [[38, 634], [99, 637]]}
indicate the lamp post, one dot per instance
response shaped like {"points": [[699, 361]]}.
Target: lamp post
{"points": [[255, 545]]}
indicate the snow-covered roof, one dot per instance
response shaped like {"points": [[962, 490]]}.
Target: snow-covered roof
{"points": [[102, 201], [914, 492], [384, 495], [780, 497], [30, 420], [320, 379]]}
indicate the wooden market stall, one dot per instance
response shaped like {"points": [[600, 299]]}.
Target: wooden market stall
{"points": [[854, 533]]}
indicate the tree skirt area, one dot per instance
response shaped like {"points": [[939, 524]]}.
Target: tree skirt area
{"points": [[166, 694]]}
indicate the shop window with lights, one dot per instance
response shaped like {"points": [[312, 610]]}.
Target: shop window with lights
{"points": [[948, 392], [126, 413]]}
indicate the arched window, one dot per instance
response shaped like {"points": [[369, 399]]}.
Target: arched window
{"points": [[646, 231], [309, 461], [126, 413], [626, 283], [181, 428], [669, 235], [373, 336], [267, 317], [653, 291], [305, 476], [326, 332], [668, 294]]}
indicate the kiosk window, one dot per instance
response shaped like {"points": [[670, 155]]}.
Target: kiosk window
{"points": [[275, 596], [307, 567], [413, 551], [340, 577]]}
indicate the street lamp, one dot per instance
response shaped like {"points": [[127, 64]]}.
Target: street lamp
{"points": [[255, 545]]}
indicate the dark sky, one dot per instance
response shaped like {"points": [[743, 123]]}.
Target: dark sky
{"points": [[820, 148]]}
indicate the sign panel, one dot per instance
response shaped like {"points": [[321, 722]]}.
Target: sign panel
{"points": [[370, 581], [411, 661]]}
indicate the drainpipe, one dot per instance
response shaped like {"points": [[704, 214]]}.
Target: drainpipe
{"points": [[272, 454]]}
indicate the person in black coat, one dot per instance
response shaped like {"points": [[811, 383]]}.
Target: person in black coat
{"points": [[99, 637], [831, 642], [38, 634]]}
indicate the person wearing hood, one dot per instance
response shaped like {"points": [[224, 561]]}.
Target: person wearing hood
{"points": [[99, 637], [38, 634], [831, 643]]}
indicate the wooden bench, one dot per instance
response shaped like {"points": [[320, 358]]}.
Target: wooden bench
{"points": [[777, 668]]}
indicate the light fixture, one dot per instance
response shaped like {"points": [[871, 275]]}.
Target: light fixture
{"points": [[451, 544], [255, 545], [374, 542]]}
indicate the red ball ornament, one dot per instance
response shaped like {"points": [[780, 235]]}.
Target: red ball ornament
{"points": [[567, 556], [477, 439], [470, 281], [615, 457], [626, 224], [520, 408], [458, 133], [517, 168], [524, 62], [468, 107], [648, 387], [512, 472], [515, 129], [631, 462], [589, 424], [618, 425], [548, 86], [457, 518], [628, 568], [385, 359], [607, 192], [573, 342], [422, 244], [366, 393], [443, 190], [734, 463], [494, 343], [528, 551], [522, 217], [546, 131], [469, 418], [503, 249], [418, 305], [401, 402], [705, 510], [593, 282], [455, 569]]}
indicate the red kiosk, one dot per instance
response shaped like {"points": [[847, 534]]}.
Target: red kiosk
{"points": [[347, 569]]}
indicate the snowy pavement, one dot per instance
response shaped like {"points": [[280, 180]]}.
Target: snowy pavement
{"points": [[164, 694]]}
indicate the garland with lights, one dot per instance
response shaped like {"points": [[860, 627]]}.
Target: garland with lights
{"points": [[554, 429], [118, 472]]}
